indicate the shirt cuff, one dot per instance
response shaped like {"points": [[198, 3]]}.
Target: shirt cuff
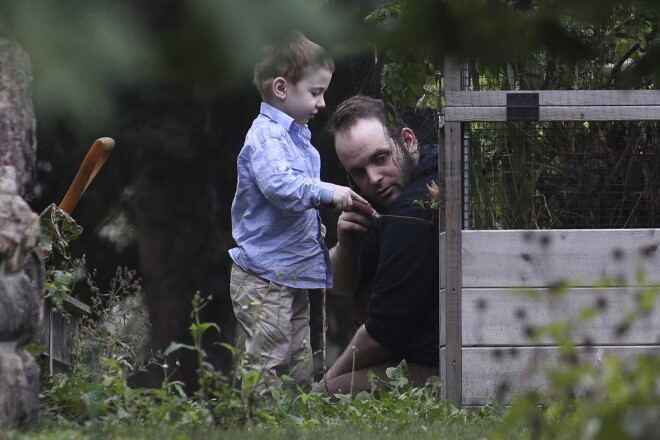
{"points": [[327, 190]]}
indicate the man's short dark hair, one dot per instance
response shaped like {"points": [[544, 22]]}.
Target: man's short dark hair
{"points": [[360, 107]]}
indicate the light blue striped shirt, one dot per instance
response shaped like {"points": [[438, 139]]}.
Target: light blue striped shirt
{"points": [[274, 223]]}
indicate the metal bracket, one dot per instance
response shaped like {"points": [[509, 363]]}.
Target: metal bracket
{"points": [[522, 106]]}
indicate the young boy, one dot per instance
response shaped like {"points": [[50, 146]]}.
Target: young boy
{"points": [[280, 252]]}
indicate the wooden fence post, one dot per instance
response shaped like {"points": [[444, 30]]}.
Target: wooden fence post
{"points": [[451, 172]]}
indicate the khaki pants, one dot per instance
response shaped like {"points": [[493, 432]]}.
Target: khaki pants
{"points": [[276, 321]]}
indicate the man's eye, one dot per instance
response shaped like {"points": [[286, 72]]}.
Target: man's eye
{"points": [[381, 159], [356, 174]]}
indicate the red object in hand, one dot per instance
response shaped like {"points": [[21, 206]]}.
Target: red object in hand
{"points": [[366, 209]]}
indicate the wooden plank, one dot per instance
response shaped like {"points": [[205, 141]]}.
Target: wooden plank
{"points": [[58, 333], [443, 251], [65, 330], [450, 296], [443, 286], [600, 113], [452, 75], [450, 301], [475, 114], [556, 98], [496, 373], [505, 317], [77, 307], [542, 258], [558, 113]]}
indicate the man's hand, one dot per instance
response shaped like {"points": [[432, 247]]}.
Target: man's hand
{"points": [[345, 255], [351, 227]]}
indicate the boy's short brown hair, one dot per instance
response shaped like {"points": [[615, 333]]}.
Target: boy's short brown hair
{"points": [[289, 60]]}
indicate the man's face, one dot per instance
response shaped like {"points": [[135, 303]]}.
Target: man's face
{"points": [[375, 163], [305, 98]]}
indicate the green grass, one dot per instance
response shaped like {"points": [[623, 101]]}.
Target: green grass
{"points": [[394, 431]]}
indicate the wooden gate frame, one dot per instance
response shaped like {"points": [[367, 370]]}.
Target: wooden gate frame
{"points": [[470, 106]]}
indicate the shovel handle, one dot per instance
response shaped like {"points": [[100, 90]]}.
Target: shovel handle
{"points": [[96, 156]]}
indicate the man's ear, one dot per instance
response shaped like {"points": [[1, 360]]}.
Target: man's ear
{"points": [[279, 88], [409, 139]]}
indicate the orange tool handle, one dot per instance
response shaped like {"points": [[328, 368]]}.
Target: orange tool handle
{"points": [[96, 156]]}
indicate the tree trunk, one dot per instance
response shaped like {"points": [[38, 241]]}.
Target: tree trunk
{"points": [[181, 252]]}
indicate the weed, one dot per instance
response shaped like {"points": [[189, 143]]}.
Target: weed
{"points": [[97, 391]]}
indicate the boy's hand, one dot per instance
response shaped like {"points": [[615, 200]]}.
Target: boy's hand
{"points": [[342, 198]]}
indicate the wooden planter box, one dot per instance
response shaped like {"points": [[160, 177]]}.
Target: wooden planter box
{"points": [[485, 319], [57, 333], [509, 287]]}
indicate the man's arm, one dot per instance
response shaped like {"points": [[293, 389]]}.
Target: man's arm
{"points": [[345, 255], [363, 351], [345, 270]]}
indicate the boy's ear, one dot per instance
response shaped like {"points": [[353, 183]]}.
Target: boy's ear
{"points": [[279, 88]]}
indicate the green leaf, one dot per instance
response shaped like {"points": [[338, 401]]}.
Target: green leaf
{"points": [[199, 329], [250, 381], [174, 346], [35, 350]]}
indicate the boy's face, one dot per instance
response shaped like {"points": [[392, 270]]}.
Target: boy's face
{"points": [[304, 98]]}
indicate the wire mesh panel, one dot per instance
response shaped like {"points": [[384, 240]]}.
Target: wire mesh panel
{"points": [[594, 173], [558, 175]]}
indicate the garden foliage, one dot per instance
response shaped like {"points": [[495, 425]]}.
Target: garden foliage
{"points": [[616, 399], [522, 175]]}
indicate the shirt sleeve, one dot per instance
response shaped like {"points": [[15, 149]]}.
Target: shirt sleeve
{"points": [[284, 175]]}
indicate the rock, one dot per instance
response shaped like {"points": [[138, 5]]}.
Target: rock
{"points": [[21, 269]]}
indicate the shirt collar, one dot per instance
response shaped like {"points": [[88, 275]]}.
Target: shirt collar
{"points": [[277, 115], [284, 120]]}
